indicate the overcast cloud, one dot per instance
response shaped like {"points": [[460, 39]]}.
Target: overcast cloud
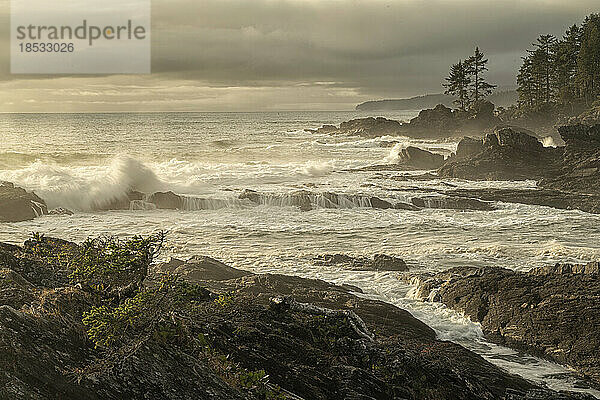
{"points": [[298, 54]]}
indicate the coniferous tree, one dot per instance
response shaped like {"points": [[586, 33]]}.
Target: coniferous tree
{"points": [[476, 65], [588, 60], [543, 59], [457, 85], [525, 84], [565, 65]]}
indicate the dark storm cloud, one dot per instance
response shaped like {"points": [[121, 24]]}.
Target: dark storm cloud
{"points": [[361, 49]]}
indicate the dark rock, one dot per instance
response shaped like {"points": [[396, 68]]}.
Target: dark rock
{"points": [[551, 312], [592, 268], [419, 158], [366, 127], [323, 342], [468, 147], [16, 204], [61, 211], [376, 202], [201, 268], [166, 200], [379, 262], [307, 200], [507, 154], [438, 121], [121, 202], [542, 197], [580, 169], [452, 203]]}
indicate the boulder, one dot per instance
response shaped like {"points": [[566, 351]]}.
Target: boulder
{"points": [[468, 147], [419, 158], [379, 262], [166, 200], [16, 204], [200, 268], [438, 121], [365, 127], [506, 154], [121, 202]]}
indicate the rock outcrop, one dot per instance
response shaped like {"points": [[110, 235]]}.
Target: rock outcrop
{"points": [[452, 203], [580, 168], [224, 334], [16, 204], [506, 154], [366, 127], [552, 312], [419, 158], [379, 262]]}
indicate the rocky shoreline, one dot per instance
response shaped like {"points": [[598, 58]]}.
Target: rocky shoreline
{"points": [[102, 320], [551, 311]]}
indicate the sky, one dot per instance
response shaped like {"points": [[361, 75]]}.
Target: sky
{"points": [[268, 55]]}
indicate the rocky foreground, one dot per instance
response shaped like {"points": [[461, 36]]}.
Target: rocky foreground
{"points": [[553, 311], [101, 320]]}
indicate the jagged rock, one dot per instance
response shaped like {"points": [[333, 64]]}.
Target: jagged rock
{"points": [[306, 200], [120, 202], [366, 127], [468, 147], [419, 158], [16, 204], [379, 262], [542, 197], [323, 342], [438, 121], [552, 312], [61, 211], [588, 117], [592, 268], [452, 203], [507, 154], [201, 268], [580, 169], [166, 200]]}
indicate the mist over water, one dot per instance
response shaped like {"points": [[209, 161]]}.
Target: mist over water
{"points": [[79, 161]]}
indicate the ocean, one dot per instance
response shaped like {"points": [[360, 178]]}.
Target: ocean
{"points": [[78, 161]]}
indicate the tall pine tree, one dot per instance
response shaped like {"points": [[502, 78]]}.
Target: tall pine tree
{"points": [[476, 66], [588, 61], [457, 85]]}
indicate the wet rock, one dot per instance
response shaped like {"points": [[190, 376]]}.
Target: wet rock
{"points": [[16, 204], [542, 197], [61, 211], [379, 262], [580, 168], [322, 343], [507, 154], [468, 147], [551, 312], [419, 158], [166, 200], [306, 200], [438, 121], [452, 203], [365, 127], [121, 202], [201, 268]]}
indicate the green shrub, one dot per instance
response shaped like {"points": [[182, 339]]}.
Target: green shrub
{"points": [[158, 312], [108, 263]]}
